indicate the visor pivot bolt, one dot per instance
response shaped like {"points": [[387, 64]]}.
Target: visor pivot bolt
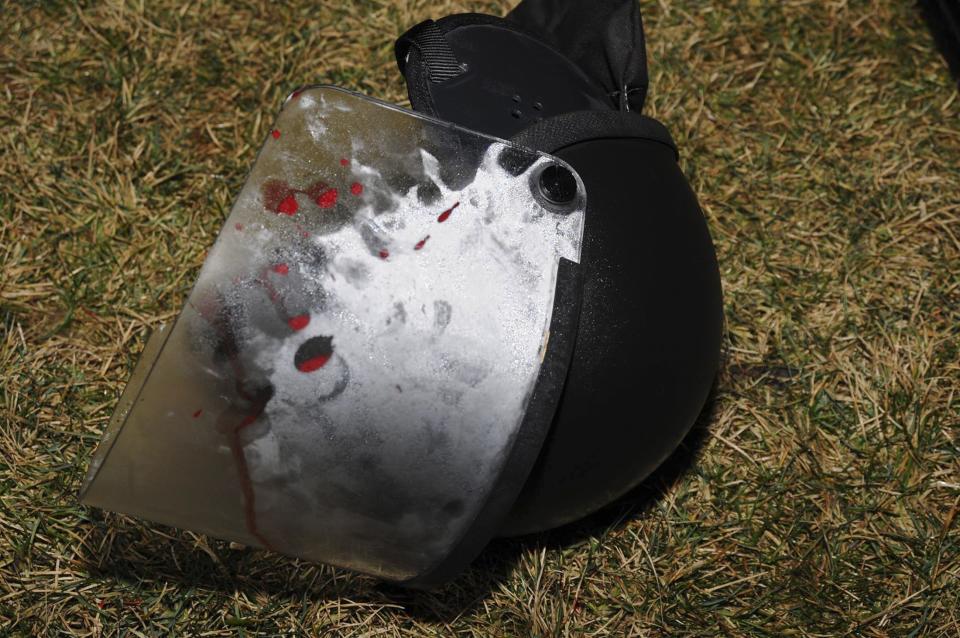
{"points": [[558, 184]]}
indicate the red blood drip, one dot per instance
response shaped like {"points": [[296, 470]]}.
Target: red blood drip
{"points": [[344, 161], [446, 214], [197, 413], [227, 424], [238, 226], [288, 206], [384, 253], [281, 269], [327, 198], [313, 364], [356, 188], [421, 243], [275, 133], [243, 472], [299, 322]]}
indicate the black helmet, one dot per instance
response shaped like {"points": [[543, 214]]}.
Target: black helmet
{"points": [[417, 331]]}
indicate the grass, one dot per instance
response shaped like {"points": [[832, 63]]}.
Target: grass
{"points": [[819, 494]]}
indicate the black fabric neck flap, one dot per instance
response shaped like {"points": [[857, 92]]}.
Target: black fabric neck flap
{"points": [[603, 37]]}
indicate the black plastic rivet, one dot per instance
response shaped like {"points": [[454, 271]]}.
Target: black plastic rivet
{"points": [[558, 184], [516, 113]]}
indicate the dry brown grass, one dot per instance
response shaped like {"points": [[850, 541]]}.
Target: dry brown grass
{"points": [[818, 497]]}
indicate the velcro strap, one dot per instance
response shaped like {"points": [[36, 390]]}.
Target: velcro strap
{"points": [[435, 52]]}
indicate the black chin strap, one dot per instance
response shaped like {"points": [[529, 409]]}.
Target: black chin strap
{"points": [[433, 50]]}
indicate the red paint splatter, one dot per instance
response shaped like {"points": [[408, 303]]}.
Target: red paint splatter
{"points": [[238, 226], [315, 190], [313, 353], [288, 206], [384, 253], [299, 322], [281, 269], [445, 215], [356, 188], [421, 243], [313, 364], [275, 133], [327, 198], [274, 193], [197, 414], [344, 161]]}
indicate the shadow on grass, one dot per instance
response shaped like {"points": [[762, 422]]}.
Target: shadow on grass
{"points": [[129, 551], [498, 560]]}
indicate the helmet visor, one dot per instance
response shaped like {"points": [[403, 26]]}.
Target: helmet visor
{"points": [[354, 362]]}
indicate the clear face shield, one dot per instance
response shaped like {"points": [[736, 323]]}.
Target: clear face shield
{"points": [[361, 370]]}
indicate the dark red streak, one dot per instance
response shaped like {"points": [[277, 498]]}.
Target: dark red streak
{"points": [[281, 269], [421, 243], [445, 215], [239, 456], [272, 293], [197, 413], [384, 253], [344, 161], [243, 470]]}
